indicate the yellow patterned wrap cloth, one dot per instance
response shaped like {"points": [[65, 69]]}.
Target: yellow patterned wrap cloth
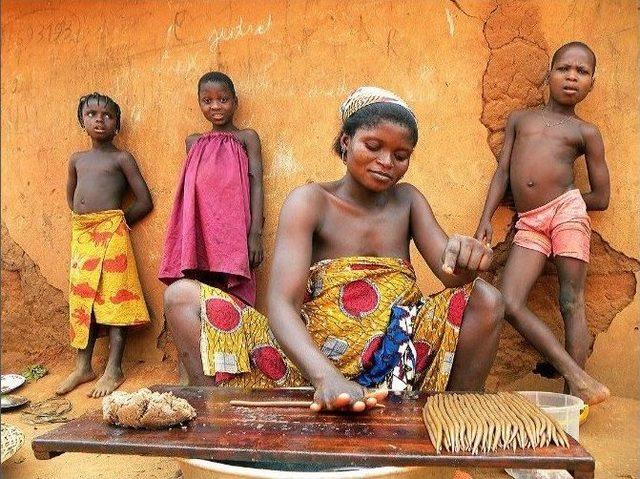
{"points": [[103, 278], [356, 309]]}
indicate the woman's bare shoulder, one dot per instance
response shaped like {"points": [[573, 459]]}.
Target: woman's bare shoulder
{"points": [[304, 206], [407, 192], [310, 194]]}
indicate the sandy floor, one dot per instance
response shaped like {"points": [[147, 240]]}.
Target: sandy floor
{"points": [[610, 434]]}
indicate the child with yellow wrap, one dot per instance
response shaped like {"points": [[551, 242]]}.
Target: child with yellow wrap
{"points": [[104, 288]]}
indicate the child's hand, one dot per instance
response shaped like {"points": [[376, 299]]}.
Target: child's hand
{"points": [[255, 250], [338, 393], [484, 232], [465, 252]]}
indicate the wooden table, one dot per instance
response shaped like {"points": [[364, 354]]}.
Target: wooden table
{"points": [[394, 436]]}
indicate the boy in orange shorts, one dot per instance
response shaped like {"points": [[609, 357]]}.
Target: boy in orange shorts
{"points": [[540, 148]]}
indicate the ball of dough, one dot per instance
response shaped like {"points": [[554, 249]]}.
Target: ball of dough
{"points": [[146, 409]]}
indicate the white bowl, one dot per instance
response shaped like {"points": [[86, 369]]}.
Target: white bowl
{"points": [[201, 469]]}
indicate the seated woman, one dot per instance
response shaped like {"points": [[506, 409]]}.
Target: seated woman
{"points": [[345, 313]]}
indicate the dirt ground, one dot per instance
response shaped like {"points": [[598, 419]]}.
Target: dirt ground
{"points": [[610, 435]]}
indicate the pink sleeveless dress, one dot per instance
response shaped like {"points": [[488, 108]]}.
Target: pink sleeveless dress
{"points": [[211, 216]]}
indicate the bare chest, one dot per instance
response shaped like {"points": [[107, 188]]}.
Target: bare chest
{"points": [[355, 233], [99, 170], [537, 141]]}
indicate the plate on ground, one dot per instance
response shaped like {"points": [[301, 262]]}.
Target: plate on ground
{"points": [[12, 440], [9, 401], [10, 382]]}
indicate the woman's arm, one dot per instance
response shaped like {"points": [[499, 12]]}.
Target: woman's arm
{"points": [[454, 260], [299, 219]]}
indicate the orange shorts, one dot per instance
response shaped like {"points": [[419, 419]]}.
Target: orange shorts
{"points": [[561, 227]]}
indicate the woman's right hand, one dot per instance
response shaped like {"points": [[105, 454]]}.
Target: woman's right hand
{"points": [[484, 232], [338, 393]]}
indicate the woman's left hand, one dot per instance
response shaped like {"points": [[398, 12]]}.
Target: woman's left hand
{"points": [[256, 254], [338, 393], [467, 253]]}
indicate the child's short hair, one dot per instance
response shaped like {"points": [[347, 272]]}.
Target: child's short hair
{"points": [[566, 46], [217, 77], [98, 97], [372, 115]]}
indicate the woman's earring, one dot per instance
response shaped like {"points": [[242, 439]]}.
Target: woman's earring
{"points": [[344, 152]]}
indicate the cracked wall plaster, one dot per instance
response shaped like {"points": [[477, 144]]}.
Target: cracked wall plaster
{"points": [[34, 313]]}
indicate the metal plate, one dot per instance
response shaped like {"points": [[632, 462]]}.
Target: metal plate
{"points": [[10, 401], [10, 382]]}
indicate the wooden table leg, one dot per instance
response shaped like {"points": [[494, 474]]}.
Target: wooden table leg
{"points": [[582, 474], [44, 455]]}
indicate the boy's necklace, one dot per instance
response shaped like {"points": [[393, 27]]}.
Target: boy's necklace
{"points": [[549, 124]]}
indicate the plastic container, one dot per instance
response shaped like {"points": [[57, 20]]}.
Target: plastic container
{"points": [[563, 408]]}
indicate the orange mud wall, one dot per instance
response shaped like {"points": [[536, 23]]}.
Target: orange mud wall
{"points": [[462, 66]]}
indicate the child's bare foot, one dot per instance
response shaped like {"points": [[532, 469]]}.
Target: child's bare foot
{"points": [[589, 390], [109, 382], [74, 379]]}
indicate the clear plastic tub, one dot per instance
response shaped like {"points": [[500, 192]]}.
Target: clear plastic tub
{"points": [[564, 408]]}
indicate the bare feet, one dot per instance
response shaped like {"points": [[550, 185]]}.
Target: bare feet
{"points": [[109, 382], [77, 377], [589, 390]]}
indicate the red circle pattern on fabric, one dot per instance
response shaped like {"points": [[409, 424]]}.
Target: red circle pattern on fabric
{"points": [[373, 344], [422, 355], [358, 298], [457, 304], [222, 315], [269, 360]]}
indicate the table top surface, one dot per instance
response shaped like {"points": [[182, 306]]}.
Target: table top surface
{"points": [[393, 436]]}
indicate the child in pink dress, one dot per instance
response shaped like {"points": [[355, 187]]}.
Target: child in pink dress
{"points": [[215, 229]]}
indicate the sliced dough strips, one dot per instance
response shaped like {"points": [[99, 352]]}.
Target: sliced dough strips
{"points": [[480, 423]]}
